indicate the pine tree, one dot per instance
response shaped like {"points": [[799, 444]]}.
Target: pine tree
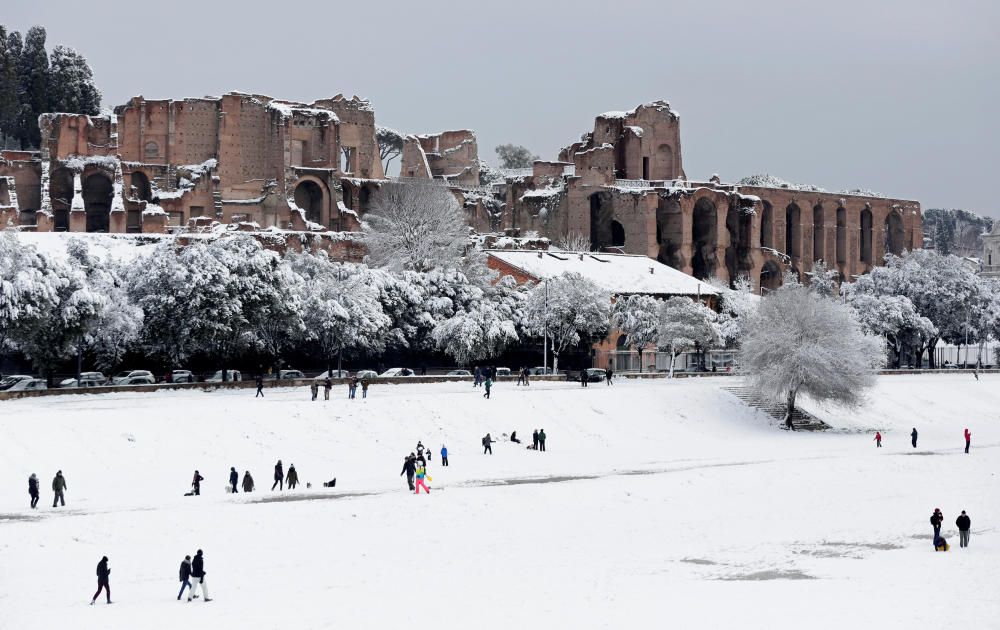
{"points": [[8, 91], [33, 76], [71, 84], [15, 47]]}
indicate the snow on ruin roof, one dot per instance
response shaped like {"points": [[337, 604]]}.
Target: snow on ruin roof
{"points": [[618, 273]]}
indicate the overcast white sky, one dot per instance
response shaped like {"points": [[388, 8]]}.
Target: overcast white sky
{"points": [[899, 96]]}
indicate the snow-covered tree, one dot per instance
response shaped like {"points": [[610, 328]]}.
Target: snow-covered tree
{"points": [[9, 107], [683, 325], [71, 83], [28, 287], [567, 308], [894, 318], [390, 145], [736, 305], [515, 156], [416, 228], [33, 79], [637, 317], [798, 342], [823, 281], [481, 332]]}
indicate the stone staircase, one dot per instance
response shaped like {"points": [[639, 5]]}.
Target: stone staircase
{"points": [[801, 420]]}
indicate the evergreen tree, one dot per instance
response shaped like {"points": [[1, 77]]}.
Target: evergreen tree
{"points": [[71, 84], [8, 91], [15, 46], [33, 76]]}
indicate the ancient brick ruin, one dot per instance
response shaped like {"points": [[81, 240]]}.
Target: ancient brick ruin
{"points": [[256, 163]]}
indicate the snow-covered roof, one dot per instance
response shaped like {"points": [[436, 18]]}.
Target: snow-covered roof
{"points": [[619, 273]]}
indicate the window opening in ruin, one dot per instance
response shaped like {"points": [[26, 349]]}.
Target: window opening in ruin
{"points": [[364, 197], [664, 165], [61, 194], [601, 212], [347, 157], [645, 168], [140, 186], [175, 219], [197, 211], [866, 236], [841, 235], [793, 231], [669, 232], [894, 234], [770, 277], [819, 252], [309, 196], [704, 239], [133, 221], [617, 234], [97, 194], [738, 225], [29, 217], [348, 195], [767, 225], [152, 150]]}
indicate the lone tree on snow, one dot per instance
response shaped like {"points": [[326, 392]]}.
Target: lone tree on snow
{"points": [[799, 342]]}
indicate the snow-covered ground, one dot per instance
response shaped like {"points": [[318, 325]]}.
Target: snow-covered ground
{"points": [[658, 503]]}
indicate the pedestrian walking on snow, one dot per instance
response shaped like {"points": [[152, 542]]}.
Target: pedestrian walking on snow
{"points": [[234, 479], [541, 440], [420, 449], [33, 490], [279, 476], [608, 375], [964, 523], [534, 439], [477, 377], [293, 477], [260, 386], [583, 378], [314, 389], [968, 439], [488, 385], [410, 468], [247, 482], [364, 387], [103, 580], [520, 376], [198, 575], [878, 439], [327, 386], [444, 455], [196, 483], [936, 519], [913, 437], [421, 475], [353, 387], [58, 488], [487, 444], [185, 576]]}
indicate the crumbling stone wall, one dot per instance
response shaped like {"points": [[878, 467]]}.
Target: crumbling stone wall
{"points": [[451, 155]]}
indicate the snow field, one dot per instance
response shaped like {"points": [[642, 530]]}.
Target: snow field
{"points": [[658, 501]]}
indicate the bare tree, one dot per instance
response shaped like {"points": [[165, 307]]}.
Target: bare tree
{"points": [[800, 342], [575, 242], [415, 226]]}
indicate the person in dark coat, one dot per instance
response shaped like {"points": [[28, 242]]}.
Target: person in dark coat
{"points": [[541, 440], [878, 439], [279, 476], [260, 386], [58, 488], [487, 385], [520, 376], [185, 575], [364, 387], [234, 479], [964, 523], [534, 439], [609, 374], [353, 387], [196, 483], [103, 580], [410, 468], [527, 377], [936, 519], [444, 455], [327, 386], [477, 377], [33, 490], [487, 444], [583, 378], [314, 389], [513, 437], [292, 479], [247, 482], [198, 573], [913, 437]]}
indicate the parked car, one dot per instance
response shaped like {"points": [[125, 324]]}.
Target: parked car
{"points": [[503, 371], [180, 376], [231, 375], [460, 373], [595, 375], [282, 375], [366, 374], [10, 381], [539, 371], [399, 371], [322, 376], [87, 379], [134, 377], [28, 384]]}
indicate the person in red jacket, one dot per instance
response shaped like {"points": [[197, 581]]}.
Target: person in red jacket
{"points": [[968, 439], [878, 439]]}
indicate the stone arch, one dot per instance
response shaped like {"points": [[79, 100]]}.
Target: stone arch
{"points": [[793, 230], [894, 234], [669, 232], [617, 234], [866, 236], [140, 187], [98, 191], [770, 276], [602, 211], [310, 196], [841, 235], [767, 225], [819, 233], [739, 222], [663, 162], [61, 197], [347, 194], [704, 238]]}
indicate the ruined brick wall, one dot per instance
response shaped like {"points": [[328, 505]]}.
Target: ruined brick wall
{"points": [[453, 155], [69, 135], [26, 170], [357, 131]]}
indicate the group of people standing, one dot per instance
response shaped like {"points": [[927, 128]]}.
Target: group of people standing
{"points": [[415, 467], [59, 488], [352, 387], [964, 524]]}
